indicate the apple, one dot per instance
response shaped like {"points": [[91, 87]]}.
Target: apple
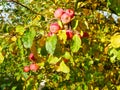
{"points": [[65, 18], [58, 13], [34, 67], [84, 35], [50, 34], [69, 34], [54, 28], [31, 57], [26, 69], [70, 12]]}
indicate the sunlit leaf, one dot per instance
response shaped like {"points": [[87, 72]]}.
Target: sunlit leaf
{"points": [[20, 29], [28, 38], [118, 87], [67, 55], [115, 41], [51, 44], [75, 24], [0, 48], [1, 58], [60, 23], [14, 88], [62, 35], [63, 68], [75, 44], [53, 60]]}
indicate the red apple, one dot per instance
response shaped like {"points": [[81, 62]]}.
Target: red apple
{"points": [[65, 18], [26, 69], [85, 35], [34, 67], [31, 57], [50, 34], [70, 12], [54, 28], [58, 13], [69, 34]]}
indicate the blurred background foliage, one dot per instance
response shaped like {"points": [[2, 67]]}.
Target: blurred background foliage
{"points": [[24, 25]]}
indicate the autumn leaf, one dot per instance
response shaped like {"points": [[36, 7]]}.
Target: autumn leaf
{"points": [[115, 41], [63, 68]]}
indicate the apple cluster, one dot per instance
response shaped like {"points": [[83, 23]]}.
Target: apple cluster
{"points": [[33, 66], [65, 17]]}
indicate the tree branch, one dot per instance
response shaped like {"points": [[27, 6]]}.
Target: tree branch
{"points": [[15, 1]]}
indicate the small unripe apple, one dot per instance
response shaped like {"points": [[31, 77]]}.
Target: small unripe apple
{"points": [[26, 69], [34, 67], [70, 12], [58, 13], [69, 34], [65, 18], [31, 57], [54, 28]]}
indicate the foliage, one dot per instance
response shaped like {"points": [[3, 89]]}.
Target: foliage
{"points": [[85, 62]]}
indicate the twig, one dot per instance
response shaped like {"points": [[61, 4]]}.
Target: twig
{"points": [[23, 6]]}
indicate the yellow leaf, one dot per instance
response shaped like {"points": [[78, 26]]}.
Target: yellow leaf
{"points": [[1, 58], [63, 68], [115, 41], [55, 1], [62, 35], [0, 48], [14, 38], [20, 29], [67, 1], [118, 87]]}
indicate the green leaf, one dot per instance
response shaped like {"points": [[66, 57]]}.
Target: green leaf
{"points": [[60, 23], [20, 29], [51, 44], [1, 58], [67, 55], [28, 38], [118, 55], [74, 24], [75, 44], [14, 88], [63, 68], [53, 60]]}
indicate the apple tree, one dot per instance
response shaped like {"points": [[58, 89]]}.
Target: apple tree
{"points": [[59, 44]]}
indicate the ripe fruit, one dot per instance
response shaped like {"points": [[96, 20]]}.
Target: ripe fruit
{"points": [[58, 13], [69, 34], [70, 12], [54, 28], [50, 34], [26, 69], [31, 57], [84, 35], [65, 18], [34, 67]]}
